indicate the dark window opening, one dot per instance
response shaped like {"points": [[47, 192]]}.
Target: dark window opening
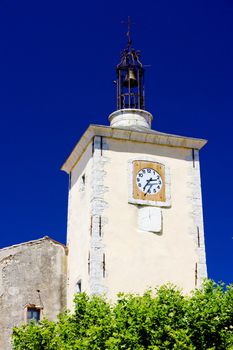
{"points": [[104, 266], [100, 226], [193, 157], [196, 277], [79, 287], [198, 237], [83, 180], [33, 313], [101, 145], [89, 263]]}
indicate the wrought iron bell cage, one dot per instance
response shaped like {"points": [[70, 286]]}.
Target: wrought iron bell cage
{"points": [[130, 80]]}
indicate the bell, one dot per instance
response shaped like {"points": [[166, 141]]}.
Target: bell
{"points": [[130, 77]]}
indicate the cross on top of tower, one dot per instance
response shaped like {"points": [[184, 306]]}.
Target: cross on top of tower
{"points": [[129, 32]]}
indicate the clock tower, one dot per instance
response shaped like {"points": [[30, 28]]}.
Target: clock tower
{"points": [[134, 207]]}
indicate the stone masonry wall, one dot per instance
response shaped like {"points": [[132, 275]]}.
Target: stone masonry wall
{"points": [[30, 273]]}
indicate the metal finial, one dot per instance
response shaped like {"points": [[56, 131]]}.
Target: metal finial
{"points": [[129, 32]]}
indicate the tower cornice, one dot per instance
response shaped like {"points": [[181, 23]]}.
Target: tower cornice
{"points": [[134, 134]]}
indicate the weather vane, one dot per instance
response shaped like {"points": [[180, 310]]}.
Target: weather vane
{"points": [[128, 34]]}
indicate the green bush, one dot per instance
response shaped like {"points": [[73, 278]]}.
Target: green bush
{"points": [[159, 320]]}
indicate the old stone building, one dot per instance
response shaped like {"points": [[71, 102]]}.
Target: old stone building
{"points": [[32, 283], [134, 216]]}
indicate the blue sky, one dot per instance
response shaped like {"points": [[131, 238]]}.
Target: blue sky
{"points": [[57, 66]]}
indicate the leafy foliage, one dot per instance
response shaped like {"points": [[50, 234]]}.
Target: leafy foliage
{"points": [[160, 320]]}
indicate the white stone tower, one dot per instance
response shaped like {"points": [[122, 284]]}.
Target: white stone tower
{"points": [[135, 209]]}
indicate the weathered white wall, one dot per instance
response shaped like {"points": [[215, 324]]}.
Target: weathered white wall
{"points": [[133, 259], [79, 225], [24, 269]]}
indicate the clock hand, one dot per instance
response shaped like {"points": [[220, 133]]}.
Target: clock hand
{"points": [[148, 189], [153, 179], [147, 183]]}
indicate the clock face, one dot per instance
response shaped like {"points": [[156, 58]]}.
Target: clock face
{"points": [[149, 181]]}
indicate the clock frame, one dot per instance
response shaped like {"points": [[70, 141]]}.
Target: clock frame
{"points": [[160, 196]]}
